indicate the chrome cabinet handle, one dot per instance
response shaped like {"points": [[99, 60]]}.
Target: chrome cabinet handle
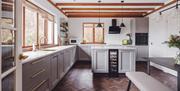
{"points": [[39, 85], [36, 62], [38, 73]]}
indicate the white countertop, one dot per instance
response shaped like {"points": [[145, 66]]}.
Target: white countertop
{"points": [[123, 47], [33, 55]]}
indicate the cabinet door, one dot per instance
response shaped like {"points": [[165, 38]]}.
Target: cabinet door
{"points": [[67, 60], [142, 51], [100, 61], [127, 61], [61, 65], [73, 54], [84, 53], [54, 69]]}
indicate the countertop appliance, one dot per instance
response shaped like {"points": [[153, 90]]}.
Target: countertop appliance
{"points": [[73, 41]]}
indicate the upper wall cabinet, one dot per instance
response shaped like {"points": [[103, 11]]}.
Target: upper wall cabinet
{"points": [[142, 25], [7, 13]]}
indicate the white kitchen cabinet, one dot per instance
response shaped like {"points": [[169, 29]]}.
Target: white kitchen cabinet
{"points": [[84, 52], [61, 65], [47, 70], [67, 60], [126, 61], [54, 69], [141, 51], [142, 25], [73, 55], [100, 61]]}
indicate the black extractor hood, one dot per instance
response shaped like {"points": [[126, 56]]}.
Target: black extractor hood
{"points": [[114, 29]]}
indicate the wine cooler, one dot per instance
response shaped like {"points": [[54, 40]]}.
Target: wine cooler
{"points": [[113, 62]]}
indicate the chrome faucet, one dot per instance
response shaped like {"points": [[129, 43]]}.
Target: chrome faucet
{"points": [[39, 45]]}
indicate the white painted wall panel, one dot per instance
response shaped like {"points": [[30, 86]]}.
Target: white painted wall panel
{"points": [[76, 28], [160, 28]]}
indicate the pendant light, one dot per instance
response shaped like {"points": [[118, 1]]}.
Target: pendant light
{"points": [[99, 24], [122, 24]]}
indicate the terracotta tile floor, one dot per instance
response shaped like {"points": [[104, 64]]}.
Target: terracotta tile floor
{"points": [[80, 78]]}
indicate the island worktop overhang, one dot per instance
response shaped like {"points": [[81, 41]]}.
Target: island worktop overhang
{"points": [[106, 47]]}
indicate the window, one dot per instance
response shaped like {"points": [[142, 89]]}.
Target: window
{"points": [[93, 34], [38, 26], [30, 32]]}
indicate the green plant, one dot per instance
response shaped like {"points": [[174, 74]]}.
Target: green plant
{"points": [[174, 41]]}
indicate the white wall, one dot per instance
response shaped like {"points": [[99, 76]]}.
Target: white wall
{"points": [[76, 28], [160, 28], [44, 4]]}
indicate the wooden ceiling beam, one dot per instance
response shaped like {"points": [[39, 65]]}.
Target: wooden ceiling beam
{"points": [[108, 9], [109, 4], [105, 14], [165, 5], [51, 2]]}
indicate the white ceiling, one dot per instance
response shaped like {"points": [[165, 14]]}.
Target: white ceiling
{"points": [[109, 1]]}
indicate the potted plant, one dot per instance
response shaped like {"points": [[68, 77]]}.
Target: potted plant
{"points": [[174, 41]]}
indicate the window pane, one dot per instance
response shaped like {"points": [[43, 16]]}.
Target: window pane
{"points": [[30, 27], [88, 25], [8, 83], [8, 51], [88, 35], [41, 30], [7, 12], [7, 37], [99, 35], [50, 32]]}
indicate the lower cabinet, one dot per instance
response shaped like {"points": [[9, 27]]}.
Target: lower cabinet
{"points": [[54, 69], [100, 61], [44, 73], [84, 53], [67, 60], [61, 65], [36, 75], [126, 61]]}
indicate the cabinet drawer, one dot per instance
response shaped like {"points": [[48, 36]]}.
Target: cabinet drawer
{"points": [[34, 72], [40, 86], [30, 81], [36, 65]]}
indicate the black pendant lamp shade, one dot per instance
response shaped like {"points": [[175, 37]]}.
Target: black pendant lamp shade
{"points": [[122, 25], [99, 24]]}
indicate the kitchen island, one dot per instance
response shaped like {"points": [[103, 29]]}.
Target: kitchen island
{"points": [[124, 57]]}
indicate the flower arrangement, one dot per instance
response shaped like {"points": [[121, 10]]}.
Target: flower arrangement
{"points": [[174, 41]]}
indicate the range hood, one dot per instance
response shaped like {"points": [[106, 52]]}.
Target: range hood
{"points": [[114, 29]]}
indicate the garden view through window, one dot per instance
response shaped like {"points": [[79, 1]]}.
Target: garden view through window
{"points": [[92, 33]]}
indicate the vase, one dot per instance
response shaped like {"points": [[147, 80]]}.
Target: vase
{"points": [[177, 58]]}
